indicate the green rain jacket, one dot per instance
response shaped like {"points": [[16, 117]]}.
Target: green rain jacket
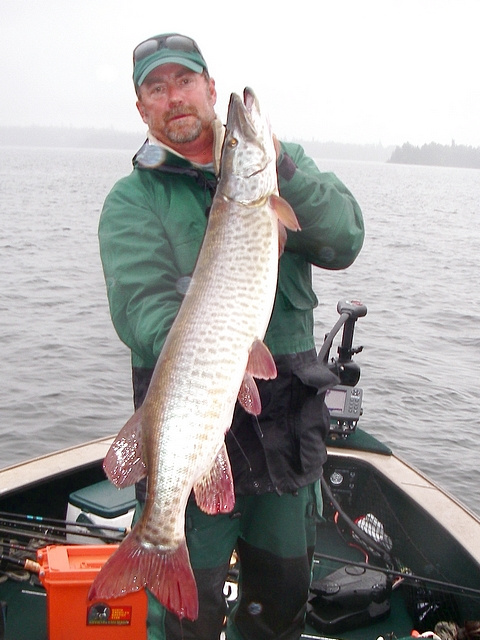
{"points": [[151, 230]]}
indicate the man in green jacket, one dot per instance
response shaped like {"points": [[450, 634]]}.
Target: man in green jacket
{"points": [[150, 232]]}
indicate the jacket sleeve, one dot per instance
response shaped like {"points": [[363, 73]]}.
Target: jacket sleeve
{"points": [[332, 228], [140, 271]]}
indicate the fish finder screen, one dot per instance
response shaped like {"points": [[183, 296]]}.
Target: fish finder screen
{"points": [[335, 399]]}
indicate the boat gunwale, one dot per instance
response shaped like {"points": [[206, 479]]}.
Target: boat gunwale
{"points": [[459, 521], [27, 473]]}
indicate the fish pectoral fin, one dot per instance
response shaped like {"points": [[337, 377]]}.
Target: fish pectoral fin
{"points": [[167, 574], [284, 213], [124, 464], [214, 492]]}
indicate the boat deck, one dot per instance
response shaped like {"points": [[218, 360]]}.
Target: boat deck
{"points": [[26, 618], [442, 550]]}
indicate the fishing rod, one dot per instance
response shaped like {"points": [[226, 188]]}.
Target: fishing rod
{"points": [[25, 533], [44, 520], [25, 563], [53, 538], [42, 527], [13, 546], [410, 577]]}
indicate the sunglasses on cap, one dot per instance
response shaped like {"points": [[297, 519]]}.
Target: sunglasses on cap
{"points": [[173, 42]]}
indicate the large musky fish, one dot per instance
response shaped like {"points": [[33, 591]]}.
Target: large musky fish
{"points": [[212, 353]]}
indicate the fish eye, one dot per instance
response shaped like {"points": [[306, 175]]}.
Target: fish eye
{"points": [[232, 143]]}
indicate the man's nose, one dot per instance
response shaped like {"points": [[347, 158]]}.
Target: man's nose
{"points": [[175, 94]]}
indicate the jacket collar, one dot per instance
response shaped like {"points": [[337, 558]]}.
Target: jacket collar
{"points": [[153, 152]]}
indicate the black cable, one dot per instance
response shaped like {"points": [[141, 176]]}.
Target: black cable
{"points": [[372, 544], [446, 586]]}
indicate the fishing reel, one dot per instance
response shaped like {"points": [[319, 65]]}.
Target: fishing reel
{"points": [[344, 401]]}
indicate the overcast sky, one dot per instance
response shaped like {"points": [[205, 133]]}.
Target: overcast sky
{"points": [[360, 71]]}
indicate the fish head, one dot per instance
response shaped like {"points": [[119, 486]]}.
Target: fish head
{"points": [[248, 164]]}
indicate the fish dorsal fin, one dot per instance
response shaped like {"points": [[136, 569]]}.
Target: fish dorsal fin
{"points": [[284, 213], [124, 464], [214, 492]]}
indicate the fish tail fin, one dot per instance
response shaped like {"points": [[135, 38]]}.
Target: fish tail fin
{"points": [[167, 575]]}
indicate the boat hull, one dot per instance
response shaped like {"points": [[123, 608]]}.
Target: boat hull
{"points": [[434, 535]]}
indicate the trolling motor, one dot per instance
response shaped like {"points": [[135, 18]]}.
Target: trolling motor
{"points": [[344, 401], [352, 596]]}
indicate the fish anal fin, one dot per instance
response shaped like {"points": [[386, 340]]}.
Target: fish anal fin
{"points": [[214, 492], [248, 395], [124, 464], [284, 213], [260, 362], [167, 574]]}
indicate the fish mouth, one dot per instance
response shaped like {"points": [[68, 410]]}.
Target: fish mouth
{"points": [[250, 101], [243, 113]]}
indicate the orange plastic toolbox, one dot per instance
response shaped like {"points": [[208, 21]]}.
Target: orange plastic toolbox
{"points": [[67, 573]]}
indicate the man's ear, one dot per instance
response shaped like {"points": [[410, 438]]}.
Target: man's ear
{"points": [[213, 91], [141, 110]]}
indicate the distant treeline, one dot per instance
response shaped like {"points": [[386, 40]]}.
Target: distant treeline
{"points": [[430, 154], [345, 151], [438, 155], [70, 137], [111, 139]]}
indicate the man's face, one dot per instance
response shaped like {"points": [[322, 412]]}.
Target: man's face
{"points": [[177, 104]]}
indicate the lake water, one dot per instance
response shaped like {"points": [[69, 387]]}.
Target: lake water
{"points": [[66, 376]]}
